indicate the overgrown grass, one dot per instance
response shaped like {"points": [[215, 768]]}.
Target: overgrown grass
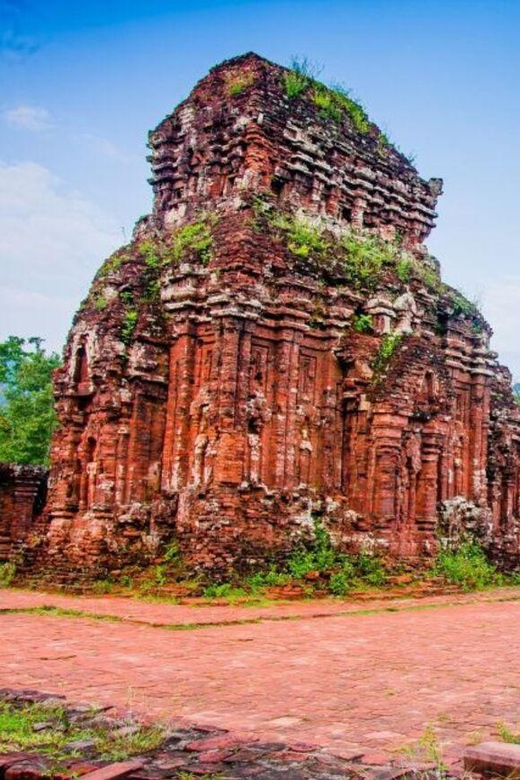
{"points": [[344, 572], [47, 729], [224, 590], [366, 256], [298, 79]]}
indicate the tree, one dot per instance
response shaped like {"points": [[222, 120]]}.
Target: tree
{"points": [[27, 417]]}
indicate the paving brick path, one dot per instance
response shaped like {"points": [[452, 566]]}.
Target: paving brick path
{"points": [[349, 680]]}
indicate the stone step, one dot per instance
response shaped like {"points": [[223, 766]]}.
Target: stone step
{"points": [[494, 759]]}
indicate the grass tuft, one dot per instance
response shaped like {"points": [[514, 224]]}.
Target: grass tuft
{"points": [[238, 83]]}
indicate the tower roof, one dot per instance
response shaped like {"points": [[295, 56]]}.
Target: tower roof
{"points": [[252, 126]]}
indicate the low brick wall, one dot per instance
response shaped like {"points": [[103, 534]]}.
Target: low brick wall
{"points": [[23, 490]]}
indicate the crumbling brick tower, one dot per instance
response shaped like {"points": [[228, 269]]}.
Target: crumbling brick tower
{"points": [[274, 346]]}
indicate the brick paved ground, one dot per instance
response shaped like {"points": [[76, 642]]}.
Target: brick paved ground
{"points": [[370, 681]]}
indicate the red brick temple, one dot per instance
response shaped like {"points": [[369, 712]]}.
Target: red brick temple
{"points": [[274, 347]]}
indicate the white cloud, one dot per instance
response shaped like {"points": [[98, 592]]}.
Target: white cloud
{"points": [[52, 240], [27, 117]]}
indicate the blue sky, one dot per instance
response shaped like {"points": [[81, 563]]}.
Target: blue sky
{"points": [[81, 83]]}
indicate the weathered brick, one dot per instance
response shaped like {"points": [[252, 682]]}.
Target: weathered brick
{"points": [[493, 759]]}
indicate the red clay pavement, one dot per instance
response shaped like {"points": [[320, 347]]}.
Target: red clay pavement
{"points": [[373, 681]]}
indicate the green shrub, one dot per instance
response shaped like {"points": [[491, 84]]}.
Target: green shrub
{"points": [[160, 575], [468, 567], [153, 291], [294, 84], [359, 258], [382, 145], [223, 590], [365, 257], [325, 102], [340, 97], [369, 569], [505, 733], [298, 79], [303, 238], [429, 277], [319, 555], [172, 552], [340, 583], [99, 301], [332, 101], [7, 574], [101, 587], [127, 297], [113, 263], [268, 579], [461, 306]]}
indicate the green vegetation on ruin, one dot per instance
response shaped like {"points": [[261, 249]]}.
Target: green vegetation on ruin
{"points": [[189, 242], [333, 102], [7, 573], [314, 568], [362, 323], [388, 346], [507, 735], [129, 325], [236, 83], [359, 259]]}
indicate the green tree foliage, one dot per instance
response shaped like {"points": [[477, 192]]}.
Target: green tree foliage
{"points": [[27, 416]]}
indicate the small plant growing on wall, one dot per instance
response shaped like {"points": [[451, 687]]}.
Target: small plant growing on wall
{"points": [[362, 323]]}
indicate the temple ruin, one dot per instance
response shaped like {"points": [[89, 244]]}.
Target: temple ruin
{"points": [[276, 346]]}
